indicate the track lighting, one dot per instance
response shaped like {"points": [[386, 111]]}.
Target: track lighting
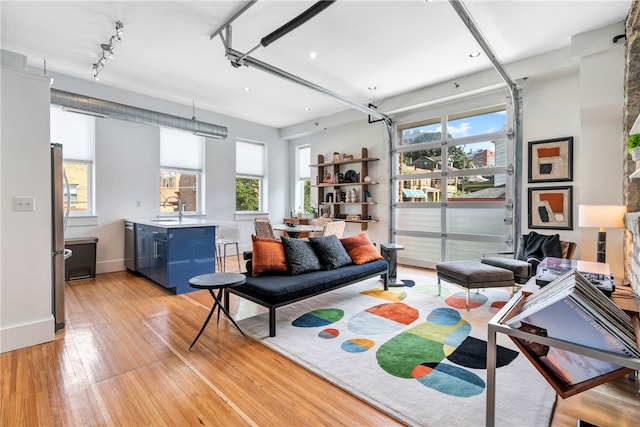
{"points": [[107, 50]]}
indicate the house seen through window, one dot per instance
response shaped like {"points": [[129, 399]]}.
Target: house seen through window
{"points": [[76, 133]]}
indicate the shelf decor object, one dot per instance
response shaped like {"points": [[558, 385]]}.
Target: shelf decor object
{"points": [[551, 160]]}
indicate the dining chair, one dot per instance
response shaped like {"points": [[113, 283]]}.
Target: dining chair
{"points": [[227, 235], [335, 228], [320, 222], [263, 228]]}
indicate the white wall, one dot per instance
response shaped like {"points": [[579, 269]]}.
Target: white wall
{"points": [[559, 100], [350, 138], [25, 276], [587, 103], [570, 92], [127, 167], [551, 109]]}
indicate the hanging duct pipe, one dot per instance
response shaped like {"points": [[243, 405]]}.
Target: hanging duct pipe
{"points": [[102, 108]]}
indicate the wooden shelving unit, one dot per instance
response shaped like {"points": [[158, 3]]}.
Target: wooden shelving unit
{"points": [[336, 168]]}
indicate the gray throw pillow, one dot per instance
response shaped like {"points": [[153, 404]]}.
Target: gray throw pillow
{"points": [[330, 251], [301, 257]]}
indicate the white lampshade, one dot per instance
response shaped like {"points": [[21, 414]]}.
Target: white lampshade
{"points": [[601, 216]]}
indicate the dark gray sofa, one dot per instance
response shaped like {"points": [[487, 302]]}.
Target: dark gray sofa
{"points": [[273, 291]]}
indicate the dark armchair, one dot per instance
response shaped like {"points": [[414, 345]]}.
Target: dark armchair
{"points": [[532, 249]]}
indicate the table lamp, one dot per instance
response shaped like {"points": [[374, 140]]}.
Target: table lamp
{"points": [[601, 216]]}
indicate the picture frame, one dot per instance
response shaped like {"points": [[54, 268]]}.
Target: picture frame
{"points": [[551, 208], [551, 160], [324, 210]]}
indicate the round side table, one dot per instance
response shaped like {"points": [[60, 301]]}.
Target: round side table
{"points": [[218, 281]]}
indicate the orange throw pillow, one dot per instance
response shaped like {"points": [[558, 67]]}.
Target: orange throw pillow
{"points": [[268, 257], [360, 248]]}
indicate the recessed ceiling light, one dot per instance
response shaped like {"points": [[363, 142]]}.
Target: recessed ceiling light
{"points": [[246, 89], [307, 108], [312, 55], [373, 87], [474, 54]]}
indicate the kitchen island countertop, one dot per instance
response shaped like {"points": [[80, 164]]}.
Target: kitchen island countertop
{"points": [[175, 222]]}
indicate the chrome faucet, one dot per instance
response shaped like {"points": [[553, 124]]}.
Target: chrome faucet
{"points": [[180, 204]]}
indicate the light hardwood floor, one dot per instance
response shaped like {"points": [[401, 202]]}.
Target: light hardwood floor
{"points": [[123, 360]]}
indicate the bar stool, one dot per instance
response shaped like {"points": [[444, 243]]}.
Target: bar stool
{"points": [[227, 235]]}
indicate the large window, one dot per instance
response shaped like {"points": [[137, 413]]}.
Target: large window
{"points": [[181, 171], [303, 179], [76, 133], [453, 191], [250, 176]]}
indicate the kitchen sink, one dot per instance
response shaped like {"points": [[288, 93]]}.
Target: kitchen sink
{"points": [[164, 220]]}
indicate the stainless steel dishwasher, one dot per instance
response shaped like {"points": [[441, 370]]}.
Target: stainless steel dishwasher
{"points": [[130, 246]]}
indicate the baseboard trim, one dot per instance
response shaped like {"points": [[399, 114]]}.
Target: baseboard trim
{"points": [[110, 266], [26, 335]]}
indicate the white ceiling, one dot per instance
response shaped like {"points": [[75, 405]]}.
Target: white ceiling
{"points": [[398, 46]]}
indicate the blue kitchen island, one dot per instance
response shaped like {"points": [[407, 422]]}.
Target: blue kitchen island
{"points": [[170, 251]]}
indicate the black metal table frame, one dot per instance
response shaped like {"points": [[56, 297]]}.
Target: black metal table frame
{"points": [[217, 304]]}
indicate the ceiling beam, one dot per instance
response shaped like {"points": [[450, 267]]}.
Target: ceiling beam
{"points": [[238, 58], [463, 13]]}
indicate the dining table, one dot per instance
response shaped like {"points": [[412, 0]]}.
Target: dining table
{"points": [[294, 231]]}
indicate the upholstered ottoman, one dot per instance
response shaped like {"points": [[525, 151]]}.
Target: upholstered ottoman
{"points": [[473, 275]]}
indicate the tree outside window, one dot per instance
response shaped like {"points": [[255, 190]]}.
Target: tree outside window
{"points": [[250, 176]]}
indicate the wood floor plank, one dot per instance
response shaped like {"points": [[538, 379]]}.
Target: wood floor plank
{"points": [[123, 359]]}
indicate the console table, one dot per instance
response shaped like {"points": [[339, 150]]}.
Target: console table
{"points": [[495, 326]]}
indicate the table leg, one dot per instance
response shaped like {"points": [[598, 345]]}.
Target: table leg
{"points": [[230, 318], [216, 304], [491, 377]]}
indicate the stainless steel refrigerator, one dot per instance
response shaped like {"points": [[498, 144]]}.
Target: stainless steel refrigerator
{"points": [[59, 216]]}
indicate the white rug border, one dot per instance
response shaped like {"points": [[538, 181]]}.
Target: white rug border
{"points": [[503, 340]]}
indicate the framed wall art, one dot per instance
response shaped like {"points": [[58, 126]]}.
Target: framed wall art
{"points": [[551, 160], [551, 207]]}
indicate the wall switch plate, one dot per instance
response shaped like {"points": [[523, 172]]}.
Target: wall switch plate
{"points": [[24, 204]]}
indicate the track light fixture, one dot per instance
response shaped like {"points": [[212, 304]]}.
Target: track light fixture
{"points": [[107, 50]]}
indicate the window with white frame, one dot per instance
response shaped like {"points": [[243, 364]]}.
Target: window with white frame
{"points": [[76, 133], [250, 176], [303, 179], [181, 171]]}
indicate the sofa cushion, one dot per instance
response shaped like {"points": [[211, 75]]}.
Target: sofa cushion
{"points": [[521, 269], [330, 251], [268, 257], [360, 248], [284, 289], [300, 255]]}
